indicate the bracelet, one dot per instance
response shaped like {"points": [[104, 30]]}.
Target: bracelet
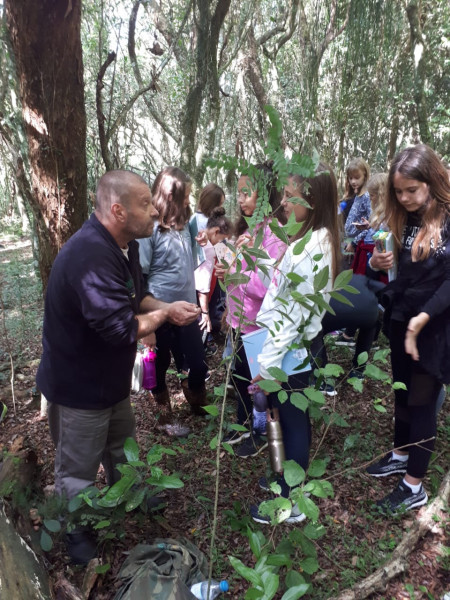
{"points": [[205, 313], [370, 265]]}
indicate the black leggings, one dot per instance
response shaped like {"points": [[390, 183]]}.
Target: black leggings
{"points": [[363, 315], [295, 425], [241, 369], [186, 344], [415, 407]]}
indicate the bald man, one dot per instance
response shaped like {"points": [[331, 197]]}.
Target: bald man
{"points": [[96, 309]]}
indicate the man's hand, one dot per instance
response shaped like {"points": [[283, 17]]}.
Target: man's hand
{"points": [[382, 261], [182, 313]]}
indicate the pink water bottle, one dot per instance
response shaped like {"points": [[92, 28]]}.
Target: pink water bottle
{"points": [[149, 370]]}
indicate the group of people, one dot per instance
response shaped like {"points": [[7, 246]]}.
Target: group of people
{"points": [[106, 292]]}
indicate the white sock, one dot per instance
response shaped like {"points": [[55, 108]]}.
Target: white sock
{"points": [[400, 457], [415, 488]]}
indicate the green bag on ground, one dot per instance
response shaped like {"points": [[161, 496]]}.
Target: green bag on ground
{"points": [[164, 570]]}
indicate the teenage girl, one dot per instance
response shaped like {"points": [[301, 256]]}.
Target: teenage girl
{"points": [[417, 315], [167, 263], [209, 294], [244, 300], [289, 321], [356, 223]]}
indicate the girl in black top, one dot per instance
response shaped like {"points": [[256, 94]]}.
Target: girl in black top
{"points": [[418, 305]]}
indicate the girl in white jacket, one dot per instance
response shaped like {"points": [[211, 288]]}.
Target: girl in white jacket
{"points": [[290, 322]]}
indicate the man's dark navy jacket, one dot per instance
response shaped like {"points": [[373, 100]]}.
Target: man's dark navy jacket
{"points": [[90, 329]]}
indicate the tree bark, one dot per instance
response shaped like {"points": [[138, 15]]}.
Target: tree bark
{"points": [[45, 38], [418, 52]]}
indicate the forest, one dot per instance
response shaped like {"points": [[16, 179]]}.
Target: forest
{"points": [[90, 86]]}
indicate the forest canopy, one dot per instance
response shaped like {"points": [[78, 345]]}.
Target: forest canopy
{"points": [[151, 84]]}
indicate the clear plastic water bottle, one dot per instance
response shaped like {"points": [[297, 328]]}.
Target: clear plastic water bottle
{"points": [[149, 370], [200, 590]]}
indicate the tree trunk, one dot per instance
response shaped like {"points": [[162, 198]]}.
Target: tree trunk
{"points": [[418, 52], [45, 38]]}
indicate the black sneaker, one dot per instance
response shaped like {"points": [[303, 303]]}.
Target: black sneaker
{"points": [[356, 373], [295, 517], [251, 446], [234, 437], [343, 340], [328, 389], [387, 466], [402, 499], [211, 349]]}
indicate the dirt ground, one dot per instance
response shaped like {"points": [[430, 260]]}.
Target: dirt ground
{"points": [[357, 541]]}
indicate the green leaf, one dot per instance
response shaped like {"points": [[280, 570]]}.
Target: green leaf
{"points": [[307, 506], [282, 396], [293, 473], [339, 420], [255, 542], [299, 400], [292, 227], [321, 489], [212, 409], [135, 499], [278, 374], [271, 582], [75, 503], [362, 358], [381, 355], [375, 372], [340, 298], [245, 572], [213, 443], [398, 385], [102, 524], [350, 441], [343, 278], [115, 495], [293, 579], [267, 385], [46, 541], [314, 395], [299, 246], [331, 370], [321, 278], [228, 448], [317, 468], [102, 569], [4, 411], [236, 279], [131, 449], [380, 408], [169, 482], [296, 592], [52, 525], [279, 560], [356, 383], [309, 565], [314, 531]]}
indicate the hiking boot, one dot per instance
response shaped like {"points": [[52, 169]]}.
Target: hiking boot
{"points": [[344, 340], [295, 517], [234, 437], [165, 422], [196, 398], [81, 546], [252, 446], [402, 499], [387, 466]]}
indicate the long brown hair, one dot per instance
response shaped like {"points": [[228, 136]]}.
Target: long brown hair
{"points": [[321, 194], [422, 164], [168, 191], [210, 197], [376, 186], [356, 164]]}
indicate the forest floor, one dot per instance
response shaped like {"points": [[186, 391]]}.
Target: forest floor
{"points": [[357, 540]]}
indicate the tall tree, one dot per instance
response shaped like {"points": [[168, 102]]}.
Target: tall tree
{"points": [[45, 38]]}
